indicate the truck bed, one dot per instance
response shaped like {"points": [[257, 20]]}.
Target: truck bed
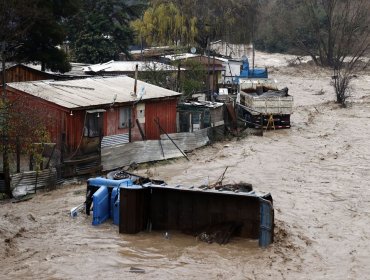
{"points": [[269, 103]]}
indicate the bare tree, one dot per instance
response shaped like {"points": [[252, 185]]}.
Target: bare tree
{"points": [[347, 54], [335, 33], [336, 30]]}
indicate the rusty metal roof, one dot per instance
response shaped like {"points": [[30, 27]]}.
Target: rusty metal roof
{"points": [[91, 92]]}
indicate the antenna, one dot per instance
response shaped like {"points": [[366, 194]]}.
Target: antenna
{"points": [[114, 100], [142, 92]]}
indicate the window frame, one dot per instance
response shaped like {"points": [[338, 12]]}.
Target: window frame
{"points": [[93, 125], [125, 114]]}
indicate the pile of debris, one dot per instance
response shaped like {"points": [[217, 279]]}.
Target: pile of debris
{"points": [[220, 233]]}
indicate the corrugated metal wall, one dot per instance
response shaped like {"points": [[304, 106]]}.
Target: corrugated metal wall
{"points": [[165, 110]]}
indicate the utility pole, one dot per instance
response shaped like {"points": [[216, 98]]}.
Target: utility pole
{"points": [[4, 125], [208, 73]]}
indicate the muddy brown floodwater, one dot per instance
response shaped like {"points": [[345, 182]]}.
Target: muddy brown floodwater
{"points": [[318, 173]]}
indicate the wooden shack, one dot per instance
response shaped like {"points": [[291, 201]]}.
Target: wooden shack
{"points": [[82, 113], [213, 67], [23, 73], [197, 115]]}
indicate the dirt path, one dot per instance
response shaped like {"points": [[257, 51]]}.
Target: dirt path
{"points": [[318, 173]]}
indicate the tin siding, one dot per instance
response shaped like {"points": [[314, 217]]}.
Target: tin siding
{"points": [[165, 110]]}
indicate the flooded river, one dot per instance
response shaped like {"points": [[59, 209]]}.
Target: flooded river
{"points": [[318, 173]]}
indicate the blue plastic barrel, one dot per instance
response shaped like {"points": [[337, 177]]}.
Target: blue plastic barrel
{"points": [[100, 205]]}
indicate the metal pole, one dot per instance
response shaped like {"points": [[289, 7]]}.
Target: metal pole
{"points": [[173, 142], [129, 130], [178, 77], [4, 115], [136, 73], [213, 79], [208, 75]]}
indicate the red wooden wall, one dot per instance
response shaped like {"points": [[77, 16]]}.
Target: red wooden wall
{"points": [[165, 110], [20, 73], [61, 122]]}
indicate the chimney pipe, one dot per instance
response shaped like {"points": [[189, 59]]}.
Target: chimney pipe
{"points": [[136, 72]]}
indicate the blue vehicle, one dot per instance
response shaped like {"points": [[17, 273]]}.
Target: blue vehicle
{"points": [[253, 73], [102, 194]]}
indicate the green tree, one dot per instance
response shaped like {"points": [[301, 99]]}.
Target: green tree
{"points": [[157, 75], [165, 24], [101, 31], [184, 22], [193, 79], [14, 20], [29, 32], [45, 33], [271, 30]]}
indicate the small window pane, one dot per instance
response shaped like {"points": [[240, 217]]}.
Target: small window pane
{"points": [[124, 117], [93, 125]]}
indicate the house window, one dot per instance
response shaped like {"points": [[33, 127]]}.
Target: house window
{"points": [[93, 124], [124, 117]]}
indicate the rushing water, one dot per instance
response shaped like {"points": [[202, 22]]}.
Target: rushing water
{"points": [[317, 172]]}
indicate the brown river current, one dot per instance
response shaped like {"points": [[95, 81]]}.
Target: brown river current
{"points": [[318, 173]]}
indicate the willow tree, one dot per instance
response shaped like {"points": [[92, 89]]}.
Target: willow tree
{"points": [[230, 20], [165, 24]]}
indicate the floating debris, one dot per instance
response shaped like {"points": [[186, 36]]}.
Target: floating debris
{"points": [[136, 270], [220, 233]]}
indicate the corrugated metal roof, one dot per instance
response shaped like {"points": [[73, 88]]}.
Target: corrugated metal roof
{"points": [[129, 66], [76, 69], [175, 57], [139, 51], [90, 92], [208, 104]]}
